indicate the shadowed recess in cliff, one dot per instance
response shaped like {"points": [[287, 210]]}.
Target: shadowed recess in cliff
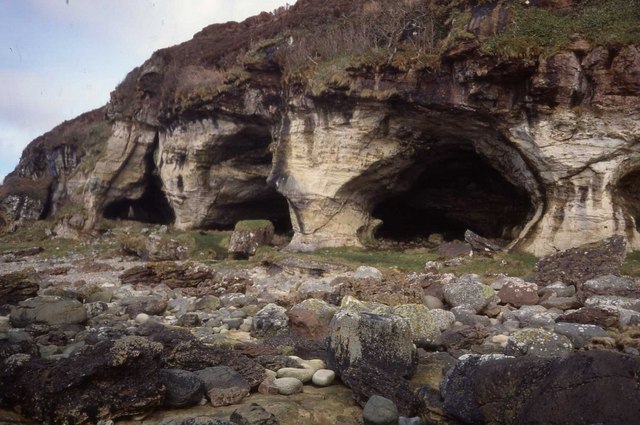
{"points": [[454, 190], [628, 195]]}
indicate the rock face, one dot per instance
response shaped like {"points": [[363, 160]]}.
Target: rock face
{"points": [[497, 390], [539, 151]]}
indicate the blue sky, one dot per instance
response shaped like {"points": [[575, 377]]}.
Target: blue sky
{"points": [[60, 58]]}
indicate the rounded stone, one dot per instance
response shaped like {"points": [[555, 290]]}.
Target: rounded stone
{"points": [[380, 411], [288, 386], [142, 317], [323, 377], [304, 375], [433, 302]]}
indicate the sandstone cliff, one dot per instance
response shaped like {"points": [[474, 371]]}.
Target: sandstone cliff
{"points": [[351, 120]]}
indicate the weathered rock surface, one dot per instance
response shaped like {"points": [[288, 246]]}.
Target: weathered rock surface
{"points": [[18, 286], [577, 265], [499, 390], [468, 291], [311, 318], [183, 387], [51, 311], [378, 340]]}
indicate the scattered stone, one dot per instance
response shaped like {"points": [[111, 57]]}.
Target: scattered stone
{"points": [[443, 319], [579, 334], [517, 292], [224, 386], [208, 303], [323, 377], [423, 327], [152, 305], [538, 342], [248, 235], [433, 302], [253, 414], [462, 337], [288, 386], [416, 420], [367, 272], [303, 375], [352, 303], [610, 285], [558, 288], [605, 317], [184, 388], [142, 318], [468, 291], [534, 316], [380, 411], [270, 321], [560, 303], [613, 301], [311, 318], [577, 265], [380, 340]]}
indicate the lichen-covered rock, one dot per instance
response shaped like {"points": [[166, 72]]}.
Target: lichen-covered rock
{"points": [[377, 340], [424, 328], [580, 334], [470, 292], [248, 236], [517, 292], [271, 320], [538, 342], [577, 265], [601, 316], [610, 285]]}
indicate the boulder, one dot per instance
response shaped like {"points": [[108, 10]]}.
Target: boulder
{"points": [[18, 286], [153, 305], [585, 387], [423, 326], [49, 310], [600, 316], [480, 244], [380, 411], [323, 377], [609, 285], [288, 385], [367, 272], [517, 292], [108, 380], [538, 342], [311, 318], [184, 388], [271, 320], [248, 235], [378, 340], [577, 265], [468, 291], [579, 334]]}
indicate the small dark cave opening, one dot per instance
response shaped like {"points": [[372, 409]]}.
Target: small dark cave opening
{"points": [[454, 190], [152, 207], [628, 194]]}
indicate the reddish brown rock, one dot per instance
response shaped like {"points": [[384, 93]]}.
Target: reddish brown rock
{"points": [[519, 293], [605, 317], [311, 319], [577, 265]]}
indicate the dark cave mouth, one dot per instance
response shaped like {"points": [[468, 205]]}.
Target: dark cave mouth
{"points": [[628, 194], [152, 207], [453, 192]]}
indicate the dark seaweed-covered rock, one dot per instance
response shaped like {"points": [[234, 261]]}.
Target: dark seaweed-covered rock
{"points": [[586, 387], [184, 388], [108, 380], [194, 355], [368, 380]]}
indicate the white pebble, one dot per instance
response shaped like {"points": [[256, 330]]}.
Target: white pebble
{"points": [[323, 377], [142, 317]]}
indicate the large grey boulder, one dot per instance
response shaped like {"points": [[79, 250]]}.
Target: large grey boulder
{"points": [[271, 320], [48, 310], [379, 340]]}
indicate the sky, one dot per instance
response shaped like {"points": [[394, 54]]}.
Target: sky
{"points": [[60, 58]]}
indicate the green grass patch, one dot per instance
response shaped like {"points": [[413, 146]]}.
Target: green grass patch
{"points": [[631, 265], [251, 225], [536, 31]]}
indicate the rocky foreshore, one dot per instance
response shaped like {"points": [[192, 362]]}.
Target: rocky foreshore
{"points": [[117, 340]]}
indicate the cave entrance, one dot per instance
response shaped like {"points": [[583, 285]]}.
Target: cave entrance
{"points": [[452, 191], [628, 194], [152, 207]]}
